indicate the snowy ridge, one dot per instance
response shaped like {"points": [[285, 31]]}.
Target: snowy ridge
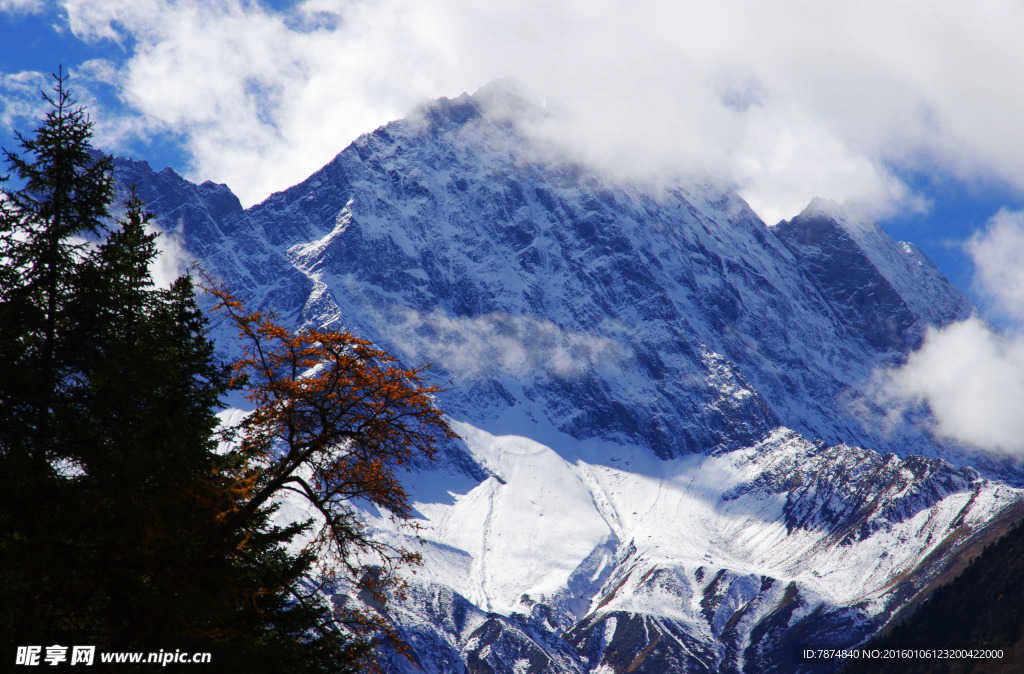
{"points": [[709, 545], [640, 375], [883, 289], [765, 509], [916, 279], [437, 237]]}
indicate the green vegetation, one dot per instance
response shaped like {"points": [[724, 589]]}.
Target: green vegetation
{"points": [[123, 524], [982, 608]]}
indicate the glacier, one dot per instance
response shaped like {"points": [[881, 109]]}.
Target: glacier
{"points": [[671, 457]]}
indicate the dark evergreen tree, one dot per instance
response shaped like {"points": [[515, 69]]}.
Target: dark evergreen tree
{"points": [[111, 484], [981, 609], [64, 196]]}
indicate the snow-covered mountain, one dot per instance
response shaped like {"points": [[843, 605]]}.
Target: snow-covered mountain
{"points": [[663, 401]]}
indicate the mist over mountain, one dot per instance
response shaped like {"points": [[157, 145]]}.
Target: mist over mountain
{"points": [[672, 456]]}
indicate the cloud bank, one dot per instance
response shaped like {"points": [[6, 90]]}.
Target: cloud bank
{"points": [[22, 6], [972, 379], [500, 344], [998, 255], [172, 259], [20, 99], [789, 100], [970, 375]]}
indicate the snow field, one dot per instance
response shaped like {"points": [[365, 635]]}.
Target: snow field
{"points": [[545, 515]]}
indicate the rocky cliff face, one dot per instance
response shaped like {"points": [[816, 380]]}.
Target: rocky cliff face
{"points": [[637, 372], [885, 292]]}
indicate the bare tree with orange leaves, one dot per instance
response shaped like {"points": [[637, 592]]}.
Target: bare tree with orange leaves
{"points": [[334, 418]]}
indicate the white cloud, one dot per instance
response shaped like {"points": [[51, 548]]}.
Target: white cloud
{"points": [[20, 102], [22, 106], [172, 260], [972, 380], [970, 376], [998, 254], [790, 99], [499, 343], [259, 102], [22, 6]]}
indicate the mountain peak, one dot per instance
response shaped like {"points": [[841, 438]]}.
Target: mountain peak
{"points": [[504, 100], [825, 206], [859, 266], [508, 96], [822, 213]]}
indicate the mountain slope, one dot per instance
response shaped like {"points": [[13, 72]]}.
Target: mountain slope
{"points": [[537, 285], [979, 609], [637, 372], [745, 552], [882, 290]]}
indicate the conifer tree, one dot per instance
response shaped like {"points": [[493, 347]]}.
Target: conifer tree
{"points": [[123, 522], [111, 482], [64, 196]]}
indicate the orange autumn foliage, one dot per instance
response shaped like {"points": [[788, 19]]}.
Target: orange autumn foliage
{"points": [[334, 418]]}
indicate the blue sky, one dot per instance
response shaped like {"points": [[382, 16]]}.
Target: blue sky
{"points": [[911, 110], [958, 210]]}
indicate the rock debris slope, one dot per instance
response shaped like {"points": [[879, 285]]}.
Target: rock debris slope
{"points": [[661, 468]]}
